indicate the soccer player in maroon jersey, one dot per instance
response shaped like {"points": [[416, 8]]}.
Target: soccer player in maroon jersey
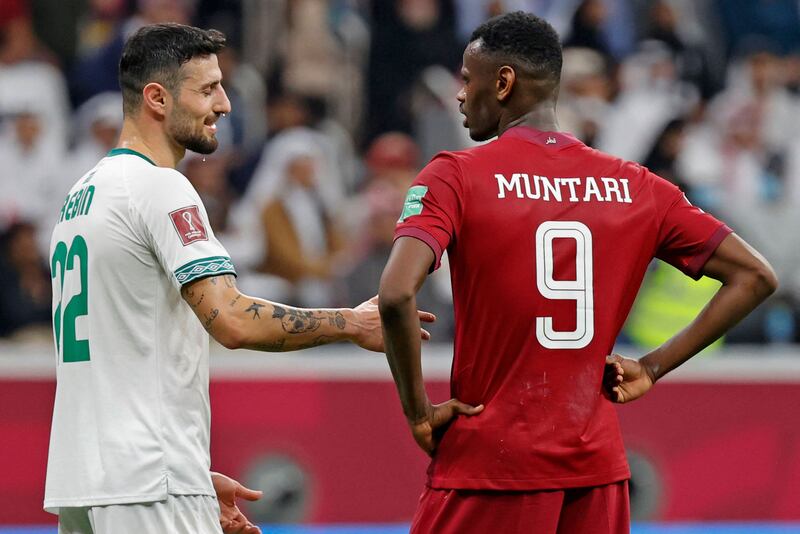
{"points": [[548, 242]]}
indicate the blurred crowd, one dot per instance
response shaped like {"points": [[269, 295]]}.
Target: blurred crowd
{"points": [[338, 103]]}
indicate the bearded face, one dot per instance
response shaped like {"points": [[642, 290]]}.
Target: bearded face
{"points": [[193, 133], [198, 102]]}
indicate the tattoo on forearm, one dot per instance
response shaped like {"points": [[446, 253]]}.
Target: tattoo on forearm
{"points": [[280, 344], [295, 321], [189, 295], [235, 300], [230, 282], [210, 318], [316, 342], [337, 319], [213, 280], [254, 307], [275, 346]]}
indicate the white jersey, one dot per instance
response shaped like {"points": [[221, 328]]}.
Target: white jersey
{"points": [[131, 421]]}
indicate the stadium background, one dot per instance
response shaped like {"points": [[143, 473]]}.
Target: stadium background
{"points": [[336, 105]]}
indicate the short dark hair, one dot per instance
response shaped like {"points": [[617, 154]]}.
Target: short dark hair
{"points": [[524, 38], [156, 53]]}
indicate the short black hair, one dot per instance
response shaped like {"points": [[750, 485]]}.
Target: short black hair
{"points": [[523, 38], [156, 53]]}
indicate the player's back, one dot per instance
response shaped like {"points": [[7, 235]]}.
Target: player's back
{"points": [[131, 412], [549, 242]]}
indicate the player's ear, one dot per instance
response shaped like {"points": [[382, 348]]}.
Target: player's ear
{"points": [[506, 78], [155, 97]]}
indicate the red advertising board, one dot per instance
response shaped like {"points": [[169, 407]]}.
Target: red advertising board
{"points": [[705, 448]]}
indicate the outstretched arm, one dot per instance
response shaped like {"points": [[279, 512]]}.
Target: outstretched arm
{"points": [[239, 321], [747, 280], [403, 276]]}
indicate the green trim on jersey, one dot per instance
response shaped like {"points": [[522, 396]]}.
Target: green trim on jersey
{"points": [[128, 151], [204, 267]]}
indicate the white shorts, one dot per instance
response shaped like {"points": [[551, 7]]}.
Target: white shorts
{"points": [[179, 514]]}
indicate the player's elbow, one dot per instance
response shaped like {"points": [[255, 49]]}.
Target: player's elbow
{"points": [[229, 335], [760, 279], [392, 299], [767, 279]]}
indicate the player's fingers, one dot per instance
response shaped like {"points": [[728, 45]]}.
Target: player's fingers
{"points": [[614, 379], [426, 317], [460, 408], [611, 376], [236, 525], [248, 494], [425, 334], [613, 359]]}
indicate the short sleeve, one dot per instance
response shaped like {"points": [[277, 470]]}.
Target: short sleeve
{"points": [[433, 206], [174, 221], [687, 236]]}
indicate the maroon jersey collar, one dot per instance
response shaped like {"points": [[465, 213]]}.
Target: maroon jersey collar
{"points": [[528, 133]]}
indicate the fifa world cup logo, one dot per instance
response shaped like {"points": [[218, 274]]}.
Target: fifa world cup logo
{"points": [[193, 231], [189, 224]]}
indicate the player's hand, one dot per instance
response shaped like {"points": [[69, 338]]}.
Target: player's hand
{"points": [[231, 518], [369, 334], [429, 431], [626, 379]]}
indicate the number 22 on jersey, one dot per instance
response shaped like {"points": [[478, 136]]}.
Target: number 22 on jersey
{"points": [[581, 289], [63, 264]]}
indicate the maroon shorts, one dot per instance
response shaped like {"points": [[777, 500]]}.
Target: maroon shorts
{"points": [[594, 510]]}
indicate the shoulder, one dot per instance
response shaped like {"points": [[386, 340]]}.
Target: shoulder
{"points": [[152, 180], [474, 154], [455, 161], [630, 170], [157, 190]]}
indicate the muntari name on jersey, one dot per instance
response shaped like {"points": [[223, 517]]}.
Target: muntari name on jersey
{"points": [[586, 189], [78, 203]]}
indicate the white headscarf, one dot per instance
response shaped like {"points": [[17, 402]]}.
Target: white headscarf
{"points": [[306, 209]]}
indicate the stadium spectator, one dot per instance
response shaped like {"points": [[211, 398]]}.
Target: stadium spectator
{"points": [[30, 172], [779, 20], [25, 305], [407, 36], [295, 192], [208, 176], [691, 59], [587, 28], [737, 156], [392, 161], [97, 125], [663, 157], [97, 71], [586, 93], [651, 95], [29, 78], [98, 25]]}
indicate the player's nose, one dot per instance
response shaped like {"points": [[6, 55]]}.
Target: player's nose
{"points": [[224, 104]]}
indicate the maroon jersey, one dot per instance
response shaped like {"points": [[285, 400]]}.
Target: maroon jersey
{"points": [[548, 241]]}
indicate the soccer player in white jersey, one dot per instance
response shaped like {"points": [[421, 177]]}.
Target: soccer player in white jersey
{"points": [[133, 261]]}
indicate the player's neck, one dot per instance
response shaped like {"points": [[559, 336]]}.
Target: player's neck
{"points": [[542, 117], [151, 142]]}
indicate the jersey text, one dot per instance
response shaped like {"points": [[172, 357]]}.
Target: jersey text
{"points": [[77, 204], [587, 189]]}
